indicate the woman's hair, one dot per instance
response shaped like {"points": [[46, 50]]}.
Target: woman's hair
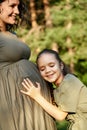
{"points": [[66, 69], [22, 17], [1, 1]]}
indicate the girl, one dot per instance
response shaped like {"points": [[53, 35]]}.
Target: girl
{"points": [[70, 93]]}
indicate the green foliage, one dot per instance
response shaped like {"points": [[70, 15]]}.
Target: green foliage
{"points": [[63, 13], [62, 125], [81, 70]]}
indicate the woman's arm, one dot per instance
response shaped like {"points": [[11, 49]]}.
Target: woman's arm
{"points": [[35, 93]]}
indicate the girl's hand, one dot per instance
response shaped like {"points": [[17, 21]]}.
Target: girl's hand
{"points": [[34, 92], [30, 89]]}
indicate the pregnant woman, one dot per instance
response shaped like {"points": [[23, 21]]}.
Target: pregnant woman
{"points": [[18, 112]]}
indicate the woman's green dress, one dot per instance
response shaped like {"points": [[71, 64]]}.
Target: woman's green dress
{"points": [[17, 111]]}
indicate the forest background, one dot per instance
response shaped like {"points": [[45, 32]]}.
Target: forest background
{"points": [[60, 25]]}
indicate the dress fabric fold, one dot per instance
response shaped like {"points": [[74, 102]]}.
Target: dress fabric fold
{"points": [[17, 111]]}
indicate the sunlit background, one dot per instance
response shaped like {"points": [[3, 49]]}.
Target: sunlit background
{"points": [[60, 25]]}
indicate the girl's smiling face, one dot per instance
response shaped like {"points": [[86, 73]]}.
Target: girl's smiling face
{"points": [[50, 68], [9, 11]]}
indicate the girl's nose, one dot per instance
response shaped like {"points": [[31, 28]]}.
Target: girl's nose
{"points": [[47, 69]]}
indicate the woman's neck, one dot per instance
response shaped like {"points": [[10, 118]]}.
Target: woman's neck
{"points": [[2, 26]]}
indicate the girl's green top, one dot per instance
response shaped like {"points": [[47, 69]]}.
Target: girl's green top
{"points": [[71, 97]]}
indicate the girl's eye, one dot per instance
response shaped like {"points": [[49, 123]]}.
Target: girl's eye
{"points": [[52, 65], [42, 69]]}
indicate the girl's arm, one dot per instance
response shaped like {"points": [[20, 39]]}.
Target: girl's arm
{"points": [[35, 93]]}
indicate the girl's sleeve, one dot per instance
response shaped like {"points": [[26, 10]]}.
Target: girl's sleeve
{"points": [[67, 99]]}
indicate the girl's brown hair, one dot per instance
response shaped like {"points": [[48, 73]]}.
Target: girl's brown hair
{"points": [[66, 69]]}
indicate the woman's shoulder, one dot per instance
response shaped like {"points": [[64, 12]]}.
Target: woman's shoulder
{"points": [[7, 35]]}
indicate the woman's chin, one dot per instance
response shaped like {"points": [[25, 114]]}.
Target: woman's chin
{"points": [[12, 21]]}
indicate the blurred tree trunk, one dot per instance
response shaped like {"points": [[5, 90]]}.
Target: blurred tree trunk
{"points": [[48, 21], [55, 47], [68, 40], [36, 29], [47, 13], [33, 14]]}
